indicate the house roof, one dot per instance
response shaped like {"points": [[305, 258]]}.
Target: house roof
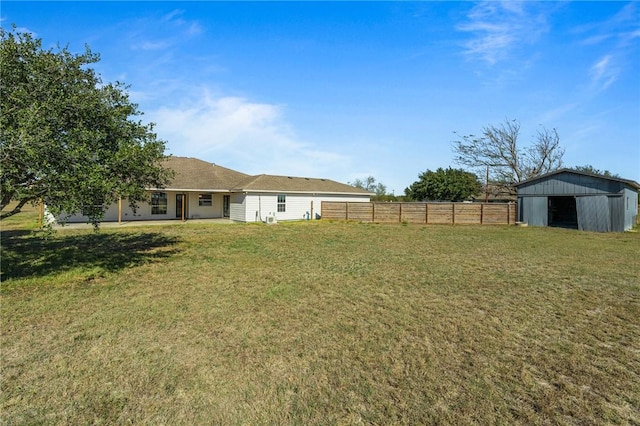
{"points": [[631, 183], [272, 183], [495, 192], [195, 174]]}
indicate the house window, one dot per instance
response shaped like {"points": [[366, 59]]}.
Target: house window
{"points": [[90, 210], [159, 203], [282, 203], [94, 208], [204, 200]]}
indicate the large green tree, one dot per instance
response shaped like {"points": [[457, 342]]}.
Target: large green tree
{"points": [[588, 168], [68, 138], [444, 185]]}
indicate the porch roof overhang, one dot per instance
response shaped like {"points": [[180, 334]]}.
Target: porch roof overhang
{"points": [[189, 190]]}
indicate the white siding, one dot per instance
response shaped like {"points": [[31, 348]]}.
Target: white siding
{"points": [[196, 211], [297, 206], [252, 207], [238, 208], [143, 212]]}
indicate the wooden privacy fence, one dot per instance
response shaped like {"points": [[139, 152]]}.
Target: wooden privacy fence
{"points": [[428, 213]]}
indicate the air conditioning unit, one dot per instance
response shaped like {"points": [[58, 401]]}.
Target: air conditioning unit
{"points": [[271, 219]]}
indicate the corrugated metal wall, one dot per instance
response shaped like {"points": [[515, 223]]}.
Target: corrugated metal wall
{"points": [[535, 211], [602, 204], [570, 184], [593, 213], [616, 212]]}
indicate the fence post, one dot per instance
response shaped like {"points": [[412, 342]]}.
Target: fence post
{"points": [[400, 218], [373, 212], [481, 213]]}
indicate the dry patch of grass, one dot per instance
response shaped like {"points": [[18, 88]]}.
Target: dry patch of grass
{"points": [[321, 323]]}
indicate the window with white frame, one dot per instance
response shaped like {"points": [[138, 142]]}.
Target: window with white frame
{"points": [[282, 203], [204, 200], [159, 203]]}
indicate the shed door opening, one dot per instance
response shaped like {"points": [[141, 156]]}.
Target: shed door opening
{"points": [[563, 212]]}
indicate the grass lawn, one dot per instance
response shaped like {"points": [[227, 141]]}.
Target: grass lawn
{"points": [[319, 323]]}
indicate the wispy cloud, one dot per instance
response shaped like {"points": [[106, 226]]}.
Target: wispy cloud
{"points": [[497, 28], [558, 113], [238, 133], [174, 15], [151, 45], [162, 32], [604, 72], [233, 131], [618, 36], [176, 18], [623, 27]]}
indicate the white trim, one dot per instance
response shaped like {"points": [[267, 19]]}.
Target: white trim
{"points": [[188, 190], [285, 191]]}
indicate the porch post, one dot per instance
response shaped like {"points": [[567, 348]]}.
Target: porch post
{"points": [[119, 210], [184, 200], [41, 212]]}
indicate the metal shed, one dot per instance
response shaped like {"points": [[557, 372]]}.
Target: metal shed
{"points": [[571, 199]]}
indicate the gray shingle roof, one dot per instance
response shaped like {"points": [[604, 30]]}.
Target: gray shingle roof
{"points": [[273, 183], [195, 174]]}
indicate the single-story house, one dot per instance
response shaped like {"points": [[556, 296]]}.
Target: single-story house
{"points": [[495, 193], [572, 199], [202, 190]]}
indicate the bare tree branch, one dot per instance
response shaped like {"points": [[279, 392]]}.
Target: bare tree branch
{"points": [[499, 153]]}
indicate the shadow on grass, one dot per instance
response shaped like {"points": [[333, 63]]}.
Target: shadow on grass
{"points": [[26, 255]]}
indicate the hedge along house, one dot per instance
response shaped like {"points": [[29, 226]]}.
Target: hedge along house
{"points": [[571, 199], [202, 190]]}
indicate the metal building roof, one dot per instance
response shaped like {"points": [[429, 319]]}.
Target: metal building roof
{"points": [[631, 183]]}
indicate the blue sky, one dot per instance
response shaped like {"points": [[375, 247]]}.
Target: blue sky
{"points": [[344, 90]]}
